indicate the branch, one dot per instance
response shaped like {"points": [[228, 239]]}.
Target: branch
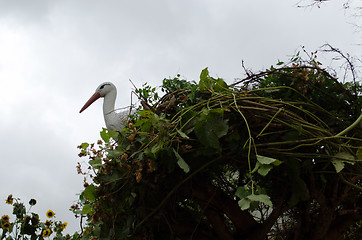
{"points": [[218, 224], [278, 208], [342, 223], [242, 220], [257, 75], [174, 190], [186, 228], [349, 62], [144, 103]]}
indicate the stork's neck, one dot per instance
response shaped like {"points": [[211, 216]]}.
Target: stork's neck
{"points": [[109, 101]]}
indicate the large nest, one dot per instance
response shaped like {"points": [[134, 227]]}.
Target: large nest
{"points": [[202, 159]]}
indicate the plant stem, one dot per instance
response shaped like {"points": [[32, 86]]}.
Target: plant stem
{"points": [[353, 125]]}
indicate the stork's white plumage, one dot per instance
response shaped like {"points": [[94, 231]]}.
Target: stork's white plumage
{"points": [[114, 120]]}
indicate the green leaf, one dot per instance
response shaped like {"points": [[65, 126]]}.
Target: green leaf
{"points": [[340, 159], [144, 123], [95, 163], [182, 134], [265, 160], [85, 145], [263, 198], [181, 162], [145, 113], [89, 193], [220, 85], [338, 165], [264, 169], [265, 164], [204, 73], [105, 135], [204, 83], [115, 154], [211, 127], [206, 135], [241, 192], [345, 156], [108, 177], [207, 82], [217, 124], [86, 209], [244, 203]]}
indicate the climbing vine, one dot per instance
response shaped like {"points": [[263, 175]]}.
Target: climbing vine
{"points": [[217, 161]]}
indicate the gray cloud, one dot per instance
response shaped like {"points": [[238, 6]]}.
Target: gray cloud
{"points": [[53, 54], [28, 12]]}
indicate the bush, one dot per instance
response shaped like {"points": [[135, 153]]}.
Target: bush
{"points": [[27, 225], [276, 155]]}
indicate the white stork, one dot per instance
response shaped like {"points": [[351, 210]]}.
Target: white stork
{"points": [[114, 120]]}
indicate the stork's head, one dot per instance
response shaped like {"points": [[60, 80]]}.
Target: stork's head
{"points": [[105, 88], [101, 91]]}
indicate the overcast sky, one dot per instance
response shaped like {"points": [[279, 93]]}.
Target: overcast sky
{"points": [[53, 55]]}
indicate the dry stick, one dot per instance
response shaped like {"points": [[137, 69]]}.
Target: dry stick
{"points": [[351, 66], [280, 69], [250, 77], [144, 103]]}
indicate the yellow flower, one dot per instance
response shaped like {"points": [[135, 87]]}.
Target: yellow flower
{"points": [[46, 233], [50, 214], [9, 200], [5, 218], [27, 220], [48, 223], [6, 226], [64, 225]]}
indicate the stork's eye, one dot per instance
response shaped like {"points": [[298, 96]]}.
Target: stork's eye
{"points": [[101, 87]]}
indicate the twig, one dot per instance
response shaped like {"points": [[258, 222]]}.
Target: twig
{"points": [[281, 69], [348, 60], [144, 103]]}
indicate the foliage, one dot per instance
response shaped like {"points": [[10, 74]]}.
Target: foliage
{"points": [[27, 225], [148, 92], [267, 156]]}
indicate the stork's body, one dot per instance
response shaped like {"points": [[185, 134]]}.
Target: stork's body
{"points": [[114, 120]]}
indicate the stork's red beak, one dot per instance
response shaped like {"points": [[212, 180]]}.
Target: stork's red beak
{"points": [[92, 99]]}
